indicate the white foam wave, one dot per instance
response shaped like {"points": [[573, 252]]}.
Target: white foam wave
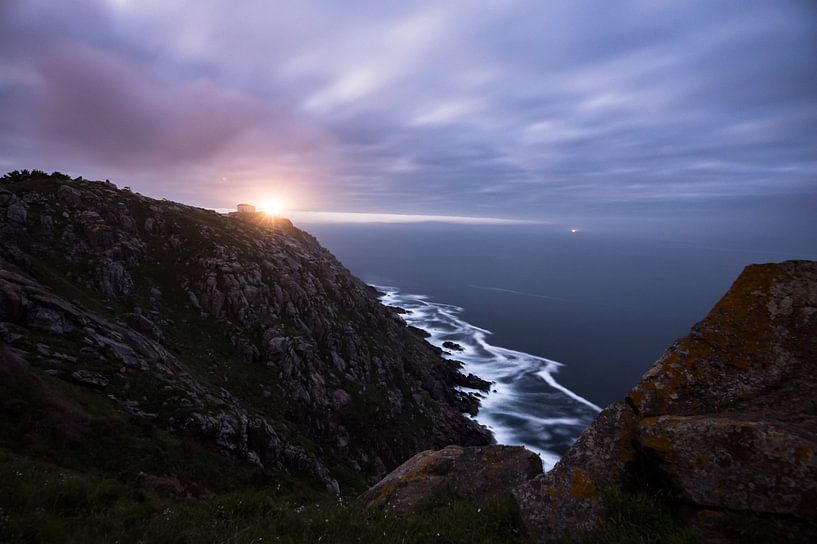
{"points": [[526, 405]]}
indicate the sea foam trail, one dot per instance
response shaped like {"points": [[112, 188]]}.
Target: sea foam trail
{"points": [[526, 405]]}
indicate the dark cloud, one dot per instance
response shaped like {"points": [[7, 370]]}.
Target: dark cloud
{"points": [[510, 108], [115, 111]]}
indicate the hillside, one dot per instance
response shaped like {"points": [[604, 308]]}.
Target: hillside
{"points": [[148, 339]]}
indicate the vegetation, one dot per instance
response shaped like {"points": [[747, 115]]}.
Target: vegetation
{"points": [[45, 503], [636, 518], [24, 175]]}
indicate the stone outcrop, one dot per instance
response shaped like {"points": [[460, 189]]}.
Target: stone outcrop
{"points": [[736, 463], [452, 473], [725, 421], [568, 498]]}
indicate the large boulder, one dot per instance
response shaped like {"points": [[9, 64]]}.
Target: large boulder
{"points": [[17, 212], [569, 497], [757, 346], [453, 472], [735, 463]]}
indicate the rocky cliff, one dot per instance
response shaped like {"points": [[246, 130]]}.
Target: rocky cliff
{"points": [[721, 431], [161, 332]]}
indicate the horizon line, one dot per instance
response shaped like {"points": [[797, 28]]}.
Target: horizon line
{"points": [[309, 216]]}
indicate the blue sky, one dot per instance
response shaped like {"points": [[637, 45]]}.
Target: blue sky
{"points": [[491, 108]]}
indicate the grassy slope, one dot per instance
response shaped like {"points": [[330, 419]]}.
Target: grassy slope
{"points": [[46, 503]]}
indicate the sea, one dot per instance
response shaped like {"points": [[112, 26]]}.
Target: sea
{"points": [[562, 321]]}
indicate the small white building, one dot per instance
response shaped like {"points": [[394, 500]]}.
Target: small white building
{"points": [[245, 208]]}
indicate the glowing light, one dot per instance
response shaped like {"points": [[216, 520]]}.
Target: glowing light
{"points": [[273, 206], [574, 231]]}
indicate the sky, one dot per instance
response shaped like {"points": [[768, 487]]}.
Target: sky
{"points": [[513, 109]]}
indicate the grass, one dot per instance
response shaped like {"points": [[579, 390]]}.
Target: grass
{"points": [[636, 518], [45, 503]]}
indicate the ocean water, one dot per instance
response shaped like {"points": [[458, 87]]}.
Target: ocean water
{"points": [[562, 323], [525, 404]]}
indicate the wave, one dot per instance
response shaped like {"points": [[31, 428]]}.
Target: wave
{"points": [[525, 405]]}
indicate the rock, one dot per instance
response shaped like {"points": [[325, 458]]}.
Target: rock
{"points": [[69, 195], [7, 197], [341, 398], [725, 463], [63, 358], [462, 473], [47, 223], [89, 378], [468, 402], [17, 212], [89, 216], [49, 320], [453, 346], [99, 235], [724, 424], [568, 498], [418, 331], [474, 382], [760, 335], [112, 278], [143, 325]]}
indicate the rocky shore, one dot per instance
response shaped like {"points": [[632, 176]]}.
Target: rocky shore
{"points": [[723, 428]]}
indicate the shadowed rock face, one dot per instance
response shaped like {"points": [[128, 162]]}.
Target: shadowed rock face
{"points": [[752, 352], [568, 498], [453, 472], [760, 465], [725, 420], [240, 331]]}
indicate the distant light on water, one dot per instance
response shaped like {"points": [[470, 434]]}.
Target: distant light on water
{"points": [[574, 231]]}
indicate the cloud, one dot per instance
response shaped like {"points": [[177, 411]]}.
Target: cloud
{"points": [[511, 108], [115, 112]]}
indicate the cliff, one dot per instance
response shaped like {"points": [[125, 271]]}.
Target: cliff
{"points": [[145, 338], [720, 435]]}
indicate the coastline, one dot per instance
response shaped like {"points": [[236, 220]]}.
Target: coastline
{"points": [[525, 404]]}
